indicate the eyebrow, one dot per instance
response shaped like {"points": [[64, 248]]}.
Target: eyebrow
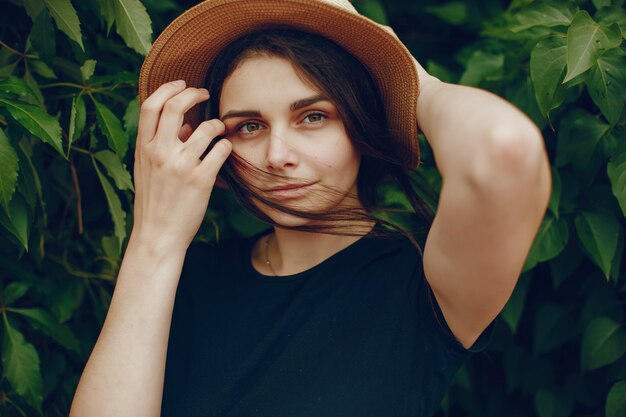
{"points": [[293, 107]]}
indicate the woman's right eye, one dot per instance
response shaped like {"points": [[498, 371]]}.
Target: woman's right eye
{"points": [[249, 128]]}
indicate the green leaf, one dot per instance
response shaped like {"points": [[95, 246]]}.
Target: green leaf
{"points": [[20, 361], [46, 323], [586, 41], [133, 24], [598, 233], [9, 168], [552, 328], [115, 169], [512, 312], [372, 9], [14, 291], [42, 37], [64, 300], [131, 119], [604, 342], [111, 127], [37, 121], [28, 181], [579, 136], [87, 69], [555, 196], [15, 85], [541, 13], [33, 8], [614, 14], [455, 13], [17, 220], [115, 207], [107, 10], [78, 116], [616, 170], [553, 402], [550, 240], [606, 84], [598, 4], [480, 66], [616, 400], [66, 19], [548, 61]]}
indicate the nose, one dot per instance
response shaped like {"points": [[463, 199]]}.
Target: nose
{"points": [[280, 152]]}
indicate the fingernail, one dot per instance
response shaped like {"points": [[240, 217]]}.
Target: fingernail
{"points": [[204, 90], [179, 83]]}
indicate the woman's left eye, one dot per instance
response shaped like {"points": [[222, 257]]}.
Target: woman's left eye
{"points": [[315, 117]]}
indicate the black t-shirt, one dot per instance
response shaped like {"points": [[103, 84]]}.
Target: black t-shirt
{"points": [[359, 334]]}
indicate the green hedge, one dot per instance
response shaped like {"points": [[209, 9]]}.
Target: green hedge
{"points": [[68, 119]]}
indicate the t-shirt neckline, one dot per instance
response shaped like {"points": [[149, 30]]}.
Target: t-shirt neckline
{"points": [[326, 263]]}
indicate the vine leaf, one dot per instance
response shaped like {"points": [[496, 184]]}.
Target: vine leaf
{"points": [[549, 242], [9, 168], [132, 22], [17, 220], [66, 19], [115, 206], [616, 400], [606, 84], [37, 121], [599, 235], [548, 62], [78, 116], [111, 127], [44, 321], [604, 342], [20, 361], [616, 170], [586, 40], [116, 170]]}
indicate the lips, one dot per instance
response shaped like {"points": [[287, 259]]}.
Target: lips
{"points": [[289, 187], [289, 191]]}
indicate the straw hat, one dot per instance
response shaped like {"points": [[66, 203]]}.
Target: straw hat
{"points": [[187, 48]]}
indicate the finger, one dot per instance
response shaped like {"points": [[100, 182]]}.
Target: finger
{"points": [[202, 137], [151, 108], [216, 157], [174, 112], [185, 132]]}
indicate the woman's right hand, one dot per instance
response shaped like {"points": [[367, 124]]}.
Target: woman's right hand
{"points": [[172, 184]]}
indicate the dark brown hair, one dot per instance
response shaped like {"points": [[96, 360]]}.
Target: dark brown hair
{"points": [[340, 76]]}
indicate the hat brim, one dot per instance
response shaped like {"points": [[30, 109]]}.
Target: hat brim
{"points": [[187, 48]]}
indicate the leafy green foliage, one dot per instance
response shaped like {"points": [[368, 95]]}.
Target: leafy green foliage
{"points": [[68, 121]]}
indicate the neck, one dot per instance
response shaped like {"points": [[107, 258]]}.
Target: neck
{"points": [[294, 251]]}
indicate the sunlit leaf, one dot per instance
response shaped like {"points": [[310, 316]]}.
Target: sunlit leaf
{"points": [[37, 121], [133, 24], [87, 69], [66, 19], [586, 40], [542, 13]]}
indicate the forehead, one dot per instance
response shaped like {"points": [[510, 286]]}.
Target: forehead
{"points": [[264, 80]]}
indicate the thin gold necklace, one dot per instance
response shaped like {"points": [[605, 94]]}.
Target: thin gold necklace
{"points": [[267, 255]]}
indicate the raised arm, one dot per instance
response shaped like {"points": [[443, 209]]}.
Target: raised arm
{"points": [[125, 372], [496, 188]]}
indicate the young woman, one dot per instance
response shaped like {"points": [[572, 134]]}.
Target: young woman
{"points": [[308, 108]]}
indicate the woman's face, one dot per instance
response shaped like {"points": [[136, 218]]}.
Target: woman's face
{"points": [[284, 126]]}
